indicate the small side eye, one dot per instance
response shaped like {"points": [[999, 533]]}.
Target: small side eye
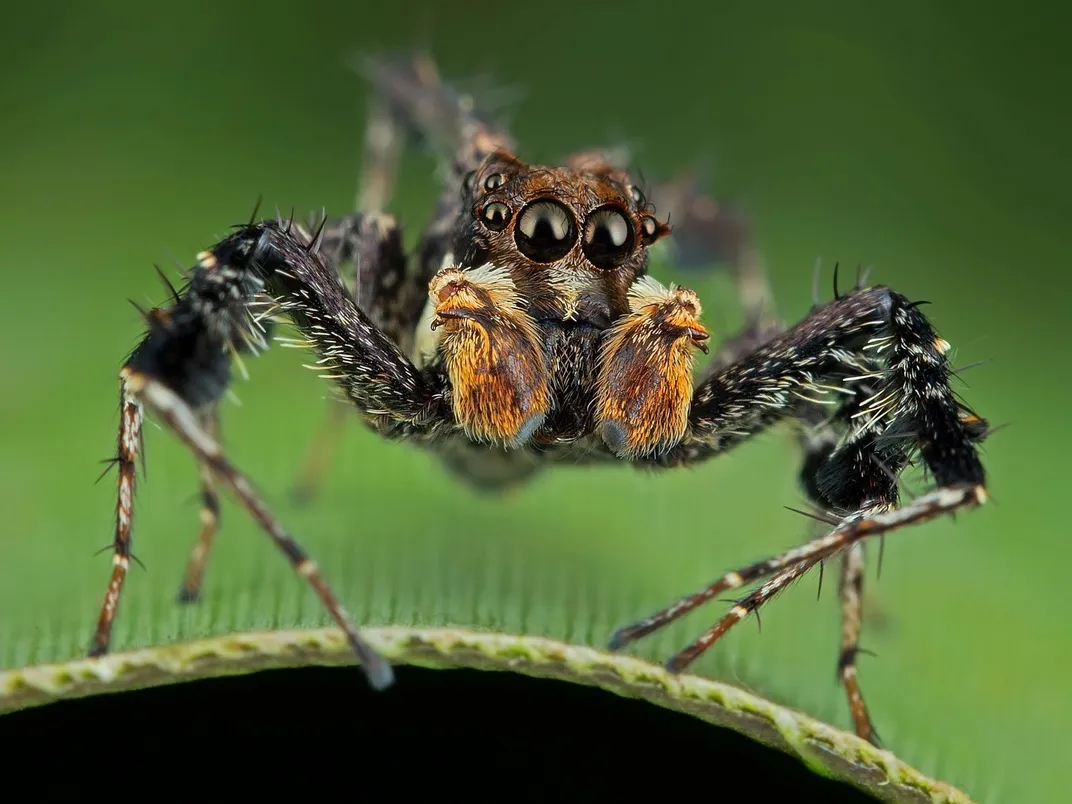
{"points": [[545, 231], [494, 181], [649, 228], [496, 216], [469, 181], [638, 197], [608, 238]]}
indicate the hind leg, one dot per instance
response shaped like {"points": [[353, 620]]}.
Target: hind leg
{"points": [[409, 103], [708, 232]]}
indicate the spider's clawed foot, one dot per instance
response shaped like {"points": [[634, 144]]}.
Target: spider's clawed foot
{"points": [[861, 716]]}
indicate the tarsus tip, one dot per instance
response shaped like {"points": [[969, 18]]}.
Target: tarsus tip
{"points": [[675, 665], [379, 673], [619, 639]]}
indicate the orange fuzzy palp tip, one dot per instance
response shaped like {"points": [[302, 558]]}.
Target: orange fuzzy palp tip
{"points": [[497, 369], [645, 381]]}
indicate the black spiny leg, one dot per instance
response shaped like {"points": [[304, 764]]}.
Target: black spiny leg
{"points": [[903, 407], [410, 101], [820, 436], [182, 368], [706, 231], [372, 244]]}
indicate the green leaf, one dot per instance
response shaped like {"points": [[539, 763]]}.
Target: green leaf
{"points": [[827, 750], [925, 142]]}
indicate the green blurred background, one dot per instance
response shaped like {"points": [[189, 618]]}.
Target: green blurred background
{"points": [[928, 140]]}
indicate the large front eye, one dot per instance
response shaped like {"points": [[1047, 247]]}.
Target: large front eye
{"points": [[608, 238], [545, 231]]}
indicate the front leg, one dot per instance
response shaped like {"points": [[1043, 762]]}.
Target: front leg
{"points": [[365, 363], [372, 244], [182, 368], [879, 362]]}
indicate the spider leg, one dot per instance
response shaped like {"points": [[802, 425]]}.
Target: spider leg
{"points": [[318, 455], [462, 132], [182, 368], [849, 533], [410, 101], [394, 395], [882, 368], [170, 408], [747, 605], [706, 231], [190, 590], [457, 128], [820, 436], [382, 153], [851, 593], [372, 243], [756, 331], [128, 449]]}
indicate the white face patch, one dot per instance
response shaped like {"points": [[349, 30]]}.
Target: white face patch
{"points": [[648, 290]]}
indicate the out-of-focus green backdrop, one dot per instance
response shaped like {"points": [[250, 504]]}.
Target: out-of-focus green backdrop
{"points": [[929, 141]]}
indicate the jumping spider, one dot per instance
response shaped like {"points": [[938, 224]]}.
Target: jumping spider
{"points": [[526, 331]]}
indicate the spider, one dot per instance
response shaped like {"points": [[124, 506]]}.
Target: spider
{"points": [[525, 331]]}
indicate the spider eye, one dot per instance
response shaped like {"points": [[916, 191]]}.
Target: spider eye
{"points": [[608, 238], [496, 216], [545, 231], [650, 229], [638, 197], [469, 181], [493, 181]]}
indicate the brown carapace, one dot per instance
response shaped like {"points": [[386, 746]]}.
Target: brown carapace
{"points": [[525, 331]]}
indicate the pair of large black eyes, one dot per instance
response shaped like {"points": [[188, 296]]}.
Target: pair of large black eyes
{"points": [[546, 232]]}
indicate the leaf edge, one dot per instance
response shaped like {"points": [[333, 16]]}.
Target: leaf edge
{"points": [[827, 750]]}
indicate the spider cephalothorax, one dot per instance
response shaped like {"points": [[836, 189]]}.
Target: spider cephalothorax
{"points": [[557, 256], [525, 331]]}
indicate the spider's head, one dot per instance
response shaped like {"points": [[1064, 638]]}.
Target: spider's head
{"points": [[573, 238]]}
